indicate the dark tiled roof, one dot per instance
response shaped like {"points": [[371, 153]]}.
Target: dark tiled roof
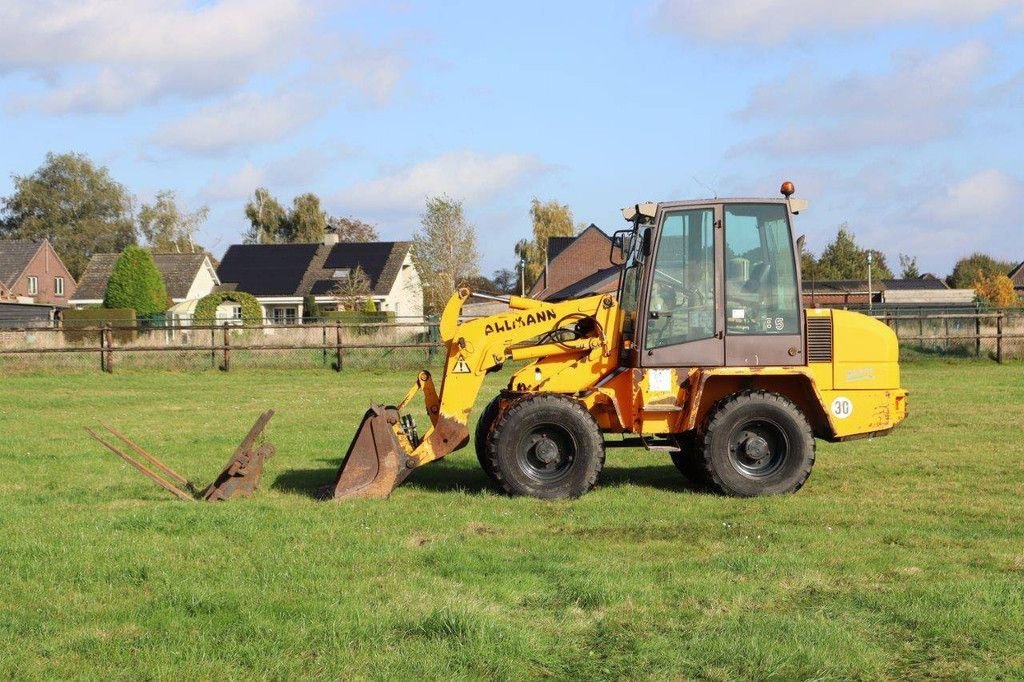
{"points": [[557, 245], [300, 269], [177, 269], [1017, 275], [915, 284], [599, 282], [266, 269], [15, 255], [381, 261]]}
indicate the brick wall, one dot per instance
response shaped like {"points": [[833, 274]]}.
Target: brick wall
{"points": [[45, 266]]}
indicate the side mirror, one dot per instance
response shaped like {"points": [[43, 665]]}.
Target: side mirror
{"points": [[621, 243], [647, 241], [800, 241]]}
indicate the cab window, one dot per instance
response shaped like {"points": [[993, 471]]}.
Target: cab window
{"points": [[682, 301], [761, 295]]}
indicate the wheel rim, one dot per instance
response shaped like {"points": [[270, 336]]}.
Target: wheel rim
{"points": [[546, 452], [758, 448]]}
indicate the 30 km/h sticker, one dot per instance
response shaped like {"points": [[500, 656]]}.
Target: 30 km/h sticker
{"points": [[841, 407]]}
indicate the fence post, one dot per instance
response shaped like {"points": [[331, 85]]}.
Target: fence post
{"points": [[323, 342], [103, 345], [227, 348], [977, 335], [213, 345], [108, 338], [945, 325], [999, 338], [337, 345]]}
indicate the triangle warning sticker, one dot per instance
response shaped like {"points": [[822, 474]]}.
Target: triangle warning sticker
{"points": [[461, 366]]}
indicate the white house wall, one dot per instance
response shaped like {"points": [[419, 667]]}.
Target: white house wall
{"points": [[203, 283], [405, 298]]}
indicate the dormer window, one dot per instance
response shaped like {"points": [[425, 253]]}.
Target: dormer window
{"points": [[343, 273]]}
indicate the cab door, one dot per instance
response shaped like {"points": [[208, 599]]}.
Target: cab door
{"points": [[682, 315]]}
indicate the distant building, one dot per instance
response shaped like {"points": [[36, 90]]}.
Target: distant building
{"points": [[577, 266], [187, 277], [1017, 277], [919, 291], [281, 275], [32, 272]]}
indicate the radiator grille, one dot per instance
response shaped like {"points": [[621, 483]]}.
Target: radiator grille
{"points": [[819, 339]]}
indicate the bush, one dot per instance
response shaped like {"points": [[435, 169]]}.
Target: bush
{"points": [[206, 309], [362, 321], [310, 308], [136, 283], [80, 325]]}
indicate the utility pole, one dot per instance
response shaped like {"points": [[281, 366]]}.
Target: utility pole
{"points": [[871, 296], [522, 276]]}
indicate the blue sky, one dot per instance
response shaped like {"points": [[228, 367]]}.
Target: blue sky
{"points": [[902, 118]]}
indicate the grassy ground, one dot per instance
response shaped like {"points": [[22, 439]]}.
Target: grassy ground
{"points": [[903, 557]]}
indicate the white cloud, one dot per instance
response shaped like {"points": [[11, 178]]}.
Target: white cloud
{"points": [[923, 97], [235, 185], [246, 119], [465, 175], [986, 197], [291, 172], [106, 55], [770, 22]]}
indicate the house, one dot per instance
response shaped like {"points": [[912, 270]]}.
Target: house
{"points": [[577, 266], [32, 272], [280, 276], [187, 277], [1017, 277], [925, 290]]}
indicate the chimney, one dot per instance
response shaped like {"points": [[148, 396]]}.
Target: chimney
{"points": [[331, 238]]}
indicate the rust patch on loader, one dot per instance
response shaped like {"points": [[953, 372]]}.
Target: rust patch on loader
{"points": [[239, 478], [375, 462]]}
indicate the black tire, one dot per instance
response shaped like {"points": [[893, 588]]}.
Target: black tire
{"points": [[546, 446], [689, 462], [483, 432], [756, 443]]}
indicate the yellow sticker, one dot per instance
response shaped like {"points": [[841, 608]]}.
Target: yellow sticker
{"points": [[461, 366]]}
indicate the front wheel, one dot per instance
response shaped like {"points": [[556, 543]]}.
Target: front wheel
{"points": [[757, 443], [546, 446]]}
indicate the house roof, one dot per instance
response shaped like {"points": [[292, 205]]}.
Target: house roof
{"points": [[1017, 275], [178, 270], [925, 282], [301, 269], [15, 255], [571, 260], [599, 282], [930, 282]]}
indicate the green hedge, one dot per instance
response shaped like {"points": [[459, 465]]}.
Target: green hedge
{"points": [[359, 316], [93, 318], [206, 309], [136, 283]]}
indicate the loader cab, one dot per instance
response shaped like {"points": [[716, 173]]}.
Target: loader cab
{"points": [[712, 283]]}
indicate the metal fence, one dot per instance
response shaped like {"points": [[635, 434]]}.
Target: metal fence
{"points": [[398, 345]]}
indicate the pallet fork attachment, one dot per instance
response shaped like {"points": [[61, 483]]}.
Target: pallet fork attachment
{"points": [[239, 478]]}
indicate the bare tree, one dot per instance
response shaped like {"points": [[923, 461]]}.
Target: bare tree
{"points": [[352, 291], [444, 251]]}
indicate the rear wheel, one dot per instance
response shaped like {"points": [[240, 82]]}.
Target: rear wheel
{"points": [[483, 432], [546, 446], [757, 443]]}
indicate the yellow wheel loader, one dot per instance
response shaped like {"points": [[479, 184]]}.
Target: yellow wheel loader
{"points": [[704, 353]]}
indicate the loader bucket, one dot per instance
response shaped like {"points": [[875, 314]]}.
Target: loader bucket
{"points": [[376, 462]]}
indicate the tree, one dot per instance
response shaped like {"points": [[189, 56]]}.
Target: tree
{"points": [[73, 203], [809, 269], [967, 270], [267, 218], [506, 281], [550, 219], [843, 259], [481, 284], [444, 250], [353, 230], [165, 227], [352, 291], [307, 221], [908, 267], [995, 289], [136, 283]]}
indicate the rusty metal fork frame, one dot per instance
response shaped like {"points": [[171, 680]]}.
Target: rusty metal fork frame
{"points": [[239, 477]]}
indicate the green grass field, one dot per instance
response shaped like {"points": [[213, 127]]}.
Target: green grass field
{"points": [[903, 557]]}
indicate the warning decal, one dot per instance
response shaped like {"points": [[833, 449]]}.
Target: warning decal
{"points": [[461, 367]]}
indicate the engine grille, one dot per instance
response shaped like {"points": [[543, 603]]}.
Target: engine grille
{"points": [[819, 339]]}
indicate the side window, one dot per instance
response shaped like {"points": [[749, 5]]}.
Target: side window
{"points": [[760, 278], [682, 303]]}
